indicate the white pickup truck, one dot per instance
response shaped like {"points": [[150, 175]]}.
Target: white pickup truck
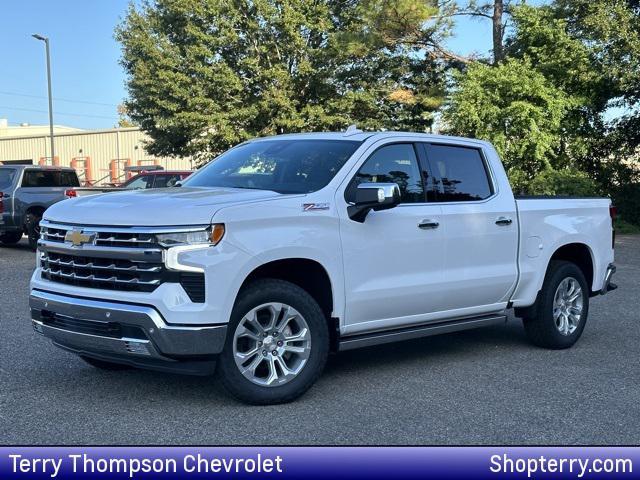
{"points": [[286, 248]]}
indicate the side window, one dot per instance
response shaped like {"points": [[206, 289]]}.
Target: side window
{"points": [[392, 164], [460, 173], [144, 181], [164, 181]]}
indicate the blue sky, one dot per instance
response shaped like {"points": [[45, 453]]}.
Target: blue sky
{"points": [[88, 82], [84, 59]]}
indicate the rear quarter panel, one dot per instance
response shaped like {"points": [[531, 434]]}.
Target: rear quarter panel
{"points": [[44, 197], [8, 215], [548, 224]]}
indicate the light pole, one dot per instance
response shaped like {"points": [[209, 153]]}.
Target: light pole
{"points": [[46, 43]]}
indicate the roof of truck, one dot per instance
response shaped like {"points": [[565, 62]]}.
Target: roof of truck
{"points": [[360, 136], [35, 167]]}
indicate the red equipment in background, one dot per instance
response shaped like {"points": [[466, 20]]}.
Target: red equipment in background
{"points": [[47, 161], [117, 168], [82, 165]]}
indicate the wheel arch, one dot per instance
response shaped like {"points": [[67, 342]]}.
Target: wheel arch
{"points": [[310, 275], [578, 253], [36, 210]]}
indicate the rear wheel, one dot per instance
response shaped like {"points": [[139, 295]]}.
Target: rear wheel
{"points": [[103, 365], [277, 344], [32, 226], [560, 315], [10, 238]]}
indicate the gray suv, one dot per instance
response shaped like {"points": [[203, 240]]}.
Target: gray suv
{"points": [[25, 193]]}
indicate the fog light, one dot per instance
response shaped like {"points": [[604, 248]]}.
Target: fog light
{"points": [[137, 348]]}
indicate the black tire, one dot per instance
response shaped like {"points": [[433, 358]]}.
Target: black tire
{"points": [[10, 238], [254, 295], [540, 326], [104, 365], [32, 228]]}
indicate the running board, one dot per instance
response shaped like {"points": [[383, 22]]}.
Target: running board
{"points": [[427, 330]]}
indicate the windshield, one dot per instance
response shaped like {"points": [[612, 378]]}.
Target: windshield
{"points": [[284, 166], [6, 177]]}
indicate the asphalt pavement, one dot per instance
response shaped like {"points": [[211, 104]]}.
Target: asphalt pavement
{"points": [[485, 386]]}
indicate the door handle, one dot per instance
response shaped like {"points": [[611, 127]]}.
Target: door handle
{"points": [[504, 221], [428, 224]]}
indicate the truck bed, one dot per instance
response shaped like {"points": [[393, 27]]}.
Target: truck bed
{"points": [[546, 223]]}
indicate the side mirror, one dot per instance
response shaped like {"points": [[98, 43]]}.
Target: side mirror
{"points": [[373, 196]]}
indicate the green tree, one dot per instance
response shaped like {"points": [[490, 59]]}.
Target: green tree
{"points": [[582, 54], [206, 74], [516, 108], [123, 118], [610, 29]]}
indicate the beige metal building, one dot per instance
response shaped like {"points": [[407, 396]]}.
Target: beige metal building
{"points": [[99, 156]]}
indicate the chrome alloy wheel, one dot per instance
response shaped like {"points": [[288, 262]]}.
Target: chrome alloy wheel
{"points": [[567, 306], [271, 344]]}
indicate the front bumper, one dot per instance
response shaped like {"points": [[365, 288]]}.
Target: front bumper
{"points": [[136, 335]]}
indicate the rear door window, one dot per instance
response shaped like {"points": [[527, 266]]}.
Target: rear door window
{"points": [[7, 176], [461, 174]]}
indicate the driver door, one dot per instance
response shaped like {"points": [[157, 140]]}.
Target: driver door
{"points": [[393, 261]]}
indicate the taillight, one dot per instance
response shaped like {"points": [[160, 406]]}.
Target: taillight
{"points": [[71, 193], [613, 213]]}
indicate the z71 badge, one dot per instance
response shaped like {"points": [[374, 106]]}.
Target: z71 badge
{"points": [[310, 207]]}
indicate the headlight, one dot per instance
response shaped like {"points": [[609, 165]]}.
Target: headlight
{"points": [[210, 236]]}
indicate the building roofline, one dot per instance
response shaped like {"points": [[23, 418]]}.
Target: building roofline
{"points": [[67, 134]]}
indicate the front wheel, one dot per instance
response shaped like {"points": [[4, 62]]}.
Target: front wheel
{"points": [[32, 227], [561, 311], [277, 343], [10, 238]]}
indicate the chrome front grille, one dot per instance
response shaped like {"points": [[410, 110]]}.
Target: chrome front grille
{"points": [[93, 272], [109, 259], [128, 240], [52, 234]]}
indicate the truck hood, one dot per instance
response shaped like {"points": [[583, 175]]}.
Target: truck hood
{"points": [[153, 207]]}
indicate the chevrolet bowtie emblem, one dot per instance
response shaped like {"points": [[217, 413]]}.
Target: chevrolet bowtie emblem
{"points": [[77, 238]]}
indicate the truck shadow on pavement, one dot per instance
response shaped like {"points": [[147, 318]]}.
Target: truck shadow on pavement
{"points": [[438, 348], [440, 351], [22, 246]]}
